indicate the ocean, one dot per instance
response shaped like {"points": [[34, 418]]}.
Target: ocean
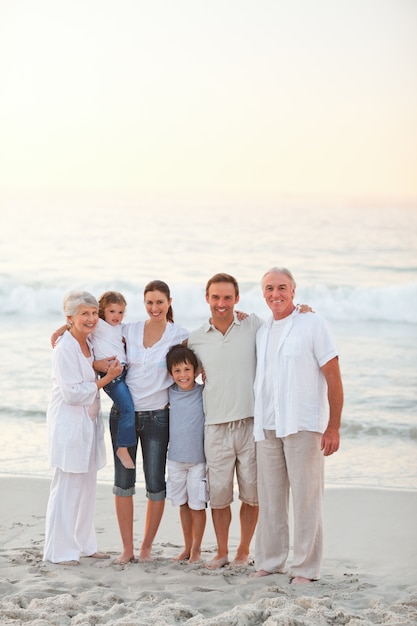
{"points": [[354, 264]]}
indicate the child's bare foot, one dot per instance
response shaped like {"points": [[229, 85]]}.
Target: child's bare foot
{"points": [[125, 458], [184, 556], [145, 555], [195, 556]]}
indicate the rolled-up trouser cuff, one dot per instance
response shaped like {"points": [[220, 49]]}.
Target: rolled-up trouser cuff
{"points": [[156, 497], [118, 491]]}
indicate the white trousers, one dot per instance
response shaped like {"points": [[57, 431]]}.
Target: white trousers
{"points": [[297, 463], [69, 528]]}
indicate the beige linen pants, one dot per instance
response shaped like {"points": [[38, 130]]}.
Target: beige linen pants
{"points": [[297, 463]]}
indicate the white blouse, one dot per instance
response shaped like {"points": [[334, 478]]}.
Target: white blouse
{"points": [[147, 375]]}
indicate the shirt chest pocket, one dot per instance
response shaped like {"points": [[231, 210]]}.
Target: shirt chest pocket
{"points": [[292, 347]]}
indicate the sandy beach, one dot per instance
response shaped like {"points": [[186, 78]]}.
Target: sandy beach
{"points": [[369, 573]]}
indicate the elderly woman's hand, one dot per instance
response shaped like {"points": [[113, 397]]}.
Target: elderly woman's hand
{"points": [[102, 365], [115, 369]]}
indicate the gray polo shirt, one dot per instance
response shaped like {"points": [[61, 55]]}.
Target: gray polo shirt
{"points": [[229, 362]]}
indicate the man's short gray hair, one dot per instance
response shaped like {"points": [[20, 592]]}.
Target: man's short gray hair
{"points": [[279, 270], [76, 298]]}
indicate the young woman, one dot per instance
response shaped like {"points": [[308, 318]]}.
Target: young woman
{"points": [[148, 381]]}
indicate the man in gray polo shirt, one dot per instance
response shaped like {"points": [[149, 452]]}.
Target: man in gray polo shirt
{"points": [[226, 348]]}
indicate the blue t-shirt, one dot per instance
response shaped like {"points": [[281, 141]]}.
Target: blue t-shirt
{"points": [[186, 425]]}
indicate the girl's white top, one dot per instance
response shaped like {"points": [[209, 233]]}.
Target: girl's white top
{"points": [[107, 341], [147, 375], [74, 395]]}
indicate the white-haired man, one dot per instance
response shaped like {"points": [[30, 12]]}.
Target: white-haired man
{"points": [[298, 406]]}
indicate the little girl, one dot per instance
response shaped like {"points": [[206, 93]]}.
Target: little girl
{"points": [[107, 339]]}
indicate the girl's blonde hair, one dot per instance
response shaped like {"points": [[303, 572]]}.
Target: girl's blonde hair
{"points": [[109, 297]]}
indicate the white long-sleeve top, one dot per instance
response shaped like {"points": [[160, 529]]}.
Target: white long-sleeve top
{"points": [[70, 427]]}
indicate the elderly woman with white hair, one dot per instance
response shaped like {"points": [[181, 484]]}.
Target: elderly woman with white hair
{"points": [[76, 436]]}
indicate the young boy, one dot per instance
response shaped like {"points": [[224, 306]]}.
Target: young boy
{"points": [[186, 485]]}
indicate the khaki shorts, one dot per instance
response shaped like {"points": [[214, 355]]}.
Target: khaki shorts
{"points": [[231, 447]]}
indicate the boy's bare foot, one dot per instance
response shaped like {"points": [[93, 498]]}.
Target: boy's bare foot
{"points": [[125, 458], [300, 580], [217, 562], [184, 556], [145, 555], [195, 556]]}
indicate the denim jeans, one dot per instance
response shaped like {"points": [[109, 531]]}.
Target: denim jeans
{"points": [[120, 394], [152, 428]]}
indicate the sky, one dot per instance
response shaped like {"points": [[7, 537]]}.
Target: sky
{"points": [[256, 98]]}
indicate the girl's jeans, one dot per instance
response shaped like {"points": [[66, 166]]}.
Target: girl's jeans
{"points": [[120, 394]]}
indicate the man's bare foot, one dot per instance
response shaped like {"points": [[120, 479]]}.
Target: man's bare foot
{"points": [[300, 580], [260, 573], [121, 560], [240, 561], [217, 562], [184, 556], [72, 563], [98, 555], [125, 458]]}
